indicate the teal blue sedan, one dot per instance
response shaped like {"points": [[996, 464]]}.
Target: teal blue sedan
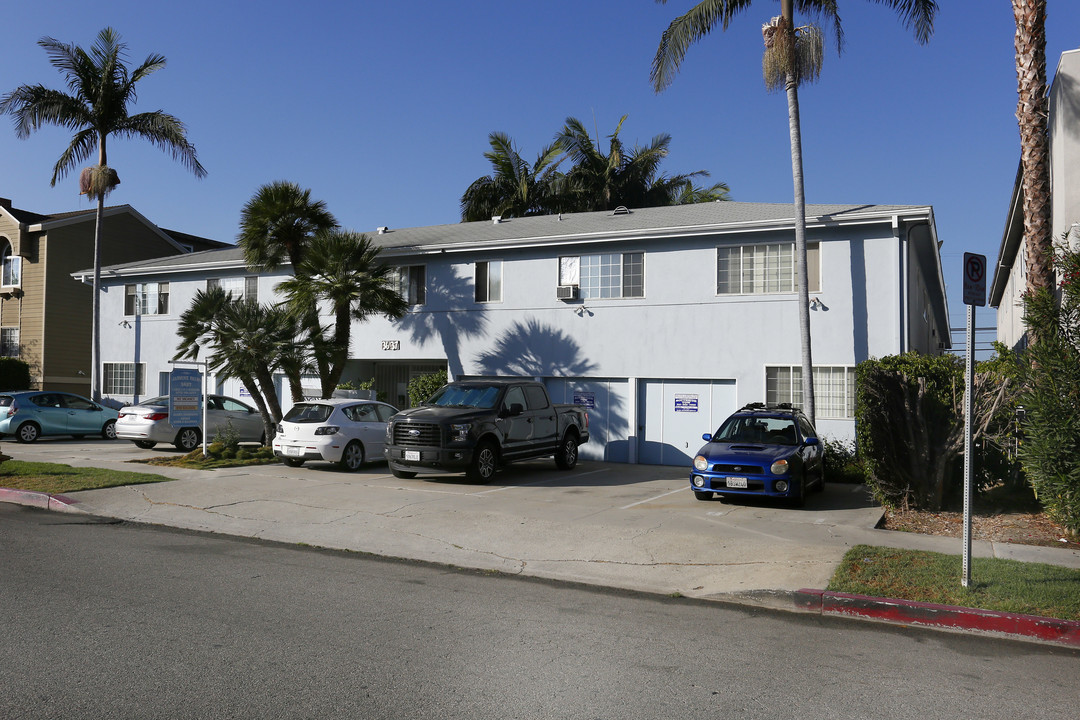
{"points": [[30, 414]]}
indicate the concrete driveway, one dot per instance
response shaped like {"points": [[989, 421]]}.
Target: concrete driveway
{"points": [[626, 526]]}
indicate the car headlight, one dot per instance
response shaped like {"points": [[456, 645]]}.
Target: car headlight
{"points": [[460, 433], [780, 467], [327, 430], [389, 433], [700, 463]]}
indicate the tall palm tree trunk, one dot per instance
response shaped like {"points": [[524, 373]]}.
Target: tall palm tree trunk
{"points": [[95, 325], [1031, 113], [795, 130]]}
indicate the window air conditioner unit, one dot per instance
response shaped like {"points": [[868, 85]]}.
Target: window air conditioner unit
{"points": [[566, 292]]}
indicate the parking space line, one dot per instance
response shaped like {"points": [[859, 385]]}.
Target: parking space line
{"points": [[538, 482], [642, 502]]}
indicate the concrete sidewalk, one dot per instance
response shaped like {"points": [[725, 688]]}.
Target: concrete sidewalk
{"points": [[624, 526]]}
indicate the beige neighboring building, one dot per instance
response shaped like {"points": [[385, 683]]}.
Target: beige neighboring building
{"points": [[1010, 273], [45, 315]]}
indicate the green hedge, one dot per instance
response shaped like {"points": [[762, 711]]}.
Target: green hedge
{"points": [[14, 374], [424, 386]]}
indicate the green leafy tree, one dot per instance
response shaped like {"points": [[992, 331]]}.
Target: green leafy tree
{"points": [[341, 271], [102, 87], [1050, 452], [278, 223], [910, 422], [514, 188], [424, 386], [793, 56], [602, 180], [241, 339]]}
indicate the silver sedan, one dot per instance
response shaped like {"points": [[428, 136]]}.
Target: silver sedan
{"points": [[147, 423]]}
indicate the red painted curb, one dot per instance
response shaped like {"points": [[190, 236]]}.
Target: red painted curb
{"points": [[45, 501], [1066, 632]]}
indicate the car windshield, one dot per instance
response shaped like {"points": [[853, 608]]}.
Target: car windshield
{"points": [[308, 413], [466, 396], [163, 400], [760, 430]]}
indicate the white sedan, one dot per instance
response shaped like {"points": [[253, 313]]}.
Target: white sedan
{"points": [[147, 423], [342, 431]]}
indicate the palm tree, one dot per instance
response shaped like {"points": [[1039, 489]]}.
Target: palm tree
{"points": [[514, 188], [101, 88], [1031, 112], [691, 194], [243, 340], [278, 223], [792, 56], [341, 270], [603, 181]]}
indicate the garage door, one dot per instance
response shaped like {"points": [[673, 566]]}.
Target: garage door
{"points": [[607, 404], [674, 414]]}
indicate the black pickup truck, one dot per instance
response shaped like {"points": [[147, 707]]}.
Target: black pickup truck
{"points": [[477, 425]]}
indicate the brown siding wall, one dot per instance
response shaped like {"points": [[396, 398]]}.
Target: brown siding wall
{"points": [[68, 313]]}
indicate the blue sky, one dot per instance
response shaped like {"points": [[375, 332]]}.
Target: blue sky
{"points": [[383, 109]]}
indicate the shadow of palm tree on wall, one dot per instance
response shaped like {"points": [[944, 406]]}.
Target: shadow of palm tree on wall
{"points": [[449, 313], [533, 349]]}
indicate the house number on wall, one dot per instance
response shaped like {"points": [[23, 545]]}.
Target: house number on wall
{"points": [[391, 344]]}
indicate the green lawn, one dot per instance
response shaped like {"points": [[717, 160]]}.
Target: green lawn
{"points": [[57, 478], [1004, 585]]}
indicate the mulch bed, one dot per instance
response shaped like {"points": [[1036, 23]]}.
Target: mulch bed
{"points": [[1010, 527]]}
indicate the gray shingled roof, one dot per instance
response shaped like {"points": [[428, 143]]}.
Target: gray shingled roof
{"points": [[560, 228]]}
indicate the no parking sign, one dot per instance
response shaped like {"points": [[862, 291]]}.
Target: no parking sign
{"points": [[974, 279]]}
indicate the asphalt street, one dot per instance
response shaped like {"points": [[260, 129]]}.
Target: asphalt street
{"points": [[119, 620]]}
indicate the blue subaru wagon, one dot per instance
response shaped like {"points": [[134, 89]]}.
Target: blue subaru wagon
{"points": [[761, 450]]}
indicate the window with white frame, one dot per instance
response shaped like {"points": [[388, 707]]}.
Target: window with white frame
{"points": [[834, 389], [123, 378], [9, 342], [150, 298], [488, 281], [239, 287], [12, 266], [764, 268], [609, 275], [411, 283]]}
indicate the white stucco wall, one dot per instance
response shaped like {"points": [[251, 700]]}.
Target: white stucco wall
{"points": [[680, 330]]}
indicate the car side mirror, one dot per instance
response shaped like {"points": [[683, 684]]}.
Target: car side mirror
{"points": [[810, 441], [514, 409], [707, 437]]}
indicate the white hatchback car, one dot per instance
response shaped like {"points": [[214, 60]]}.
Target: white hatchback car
{"points": [[343, 431], [147, 423]]}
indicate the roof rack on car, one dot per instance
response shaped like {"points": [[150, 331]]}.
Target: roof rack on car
{"points": [[768, 406]]}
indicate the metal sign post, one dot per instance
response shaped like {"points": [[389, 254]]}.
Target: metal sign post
{"points": [[974, 294]]}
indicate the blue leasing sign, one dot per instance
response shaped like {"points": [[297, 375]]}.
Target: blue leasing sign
{"points": [[586, 399], [185, 398], [686, 403]]}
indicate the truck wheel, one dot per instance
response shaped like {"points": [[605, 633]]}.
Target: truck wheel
{"points": [[484, 463], [404, 474], [566, 456]]}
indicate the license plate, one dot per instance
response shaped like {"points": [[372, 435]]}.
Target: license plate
{"points": [[733, 482], [292, 450], [413, 455]]}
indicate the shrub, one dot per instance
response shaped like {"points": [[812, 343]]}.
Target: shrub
{"points": [[14, 374], [228, 437], [842, 462], [910, 424], [1050, 451], [424, 386]]}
